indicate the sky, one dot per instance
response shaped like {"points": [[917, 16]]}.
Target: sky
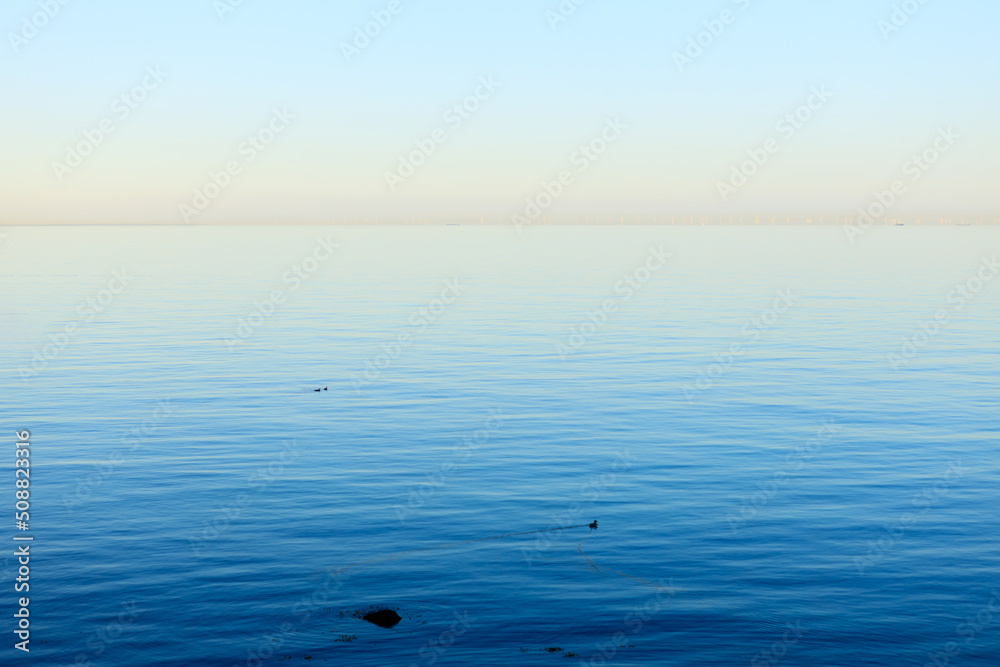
{"points": [[233, 112]]}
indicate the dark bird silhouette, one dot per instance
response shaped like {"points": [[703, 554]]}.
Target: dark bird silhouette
{"points": [[593, 526], [323, 389]]}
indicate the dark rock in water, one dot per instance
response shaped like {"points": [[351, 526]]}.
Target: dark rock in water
{"points": [[384, 618]]}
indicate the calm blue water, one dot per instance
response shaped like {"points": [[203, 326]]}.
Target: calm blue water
{"points": [[801, 503]]}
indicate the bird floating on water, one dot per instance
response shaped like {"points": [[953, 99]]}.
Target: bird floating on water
{"points": [[323, 389], [593, 526]]}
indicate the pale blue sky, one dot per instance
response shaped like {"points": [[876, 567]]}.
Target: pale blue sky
{"points": [[686, 130]]}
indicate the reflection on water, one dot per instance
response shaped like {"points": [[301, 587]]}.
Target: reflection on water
{"points": [[234, 469]]}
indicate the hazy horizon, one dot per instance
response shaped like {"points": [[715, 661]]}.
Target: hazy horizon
{"points": [[249, 112]]}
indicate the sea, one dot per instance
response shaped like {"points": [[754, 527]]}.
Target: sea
{"points": [[616, 445]]}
